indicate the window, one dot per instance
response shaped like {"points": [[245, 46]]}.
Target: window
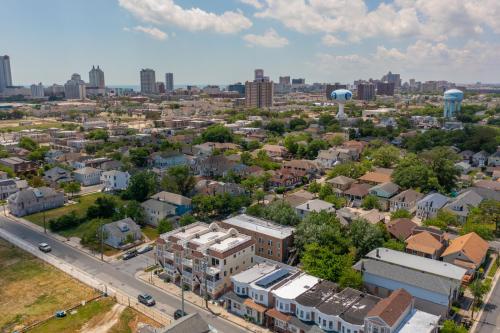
{"points": [[270, 242], [225, 273], [238, 290], [231, 270], [261, 298]]}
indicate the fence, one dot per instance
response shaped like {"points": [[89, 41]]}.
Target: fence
{"points": [[87, 279]]}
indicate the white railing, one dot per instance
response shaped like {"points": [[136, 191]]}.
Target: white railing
{"points": [[187, 262]]}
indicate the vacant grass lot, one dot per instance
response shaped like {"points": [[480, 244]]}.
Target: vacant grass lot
{"points": [[32, 290]]}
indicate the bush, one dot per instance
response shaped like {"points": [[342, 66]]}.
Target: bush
{"points": [[65, 222]]}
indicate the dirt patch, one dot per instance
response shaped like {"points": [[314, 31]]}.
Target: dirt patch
{"points": [[102, 324]]}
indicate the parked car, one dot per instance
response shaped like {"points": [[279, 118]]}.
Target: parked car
{"points": [[145, 248], [146, 299], [179, 313], [130, 254], [44, 247], [60, 314]]}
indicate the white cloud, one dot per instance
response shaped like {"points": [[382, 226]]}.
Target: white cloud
{"points": [[423, 19], [254, 3], [193, 19], [269, 39], [151, 31], [330, 40]]}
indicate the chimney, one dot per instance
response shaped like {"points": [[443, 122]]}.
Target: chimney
{"points": [[362, 266], [377, 254], [308, 206]]}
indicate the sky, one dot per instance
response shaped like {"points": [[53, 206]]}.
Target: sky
{"points": [[223, 41]]}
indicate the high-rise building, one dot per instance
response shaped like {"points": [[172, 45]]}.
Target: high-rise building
{"points": [[298, 82], [366, 91], [75, 88], [284, 80], [259, 94], [392, 78], [37, 90], [238, 87], [385, 88], [5, 74], [148, 81], [160, 87], [331, 87], [169, 82], [259, 75], [96, 78]]}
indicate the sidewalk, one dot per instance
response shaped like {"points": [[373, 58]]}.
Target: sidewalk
{"points": [[198, 301]]}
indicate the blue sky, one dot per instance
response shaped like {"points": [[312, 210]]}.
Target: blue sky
{"points": [[222, 41]]}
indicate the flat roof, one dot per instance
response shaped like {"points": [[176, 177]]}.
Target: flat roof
{"points": [[253, 273], [419, 321], [261, 226], [418, 263], [207, 237], [188, 233], [296, 286], [229, 243]]}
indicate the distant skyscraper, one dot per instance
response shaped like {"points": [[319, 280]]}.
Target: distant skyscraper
{"points": [[238, 87], [96, 78], [392, 78], [385, 88], [5, 74], [37, 90], [284, 80], [148, 81], [366, 91], [160, 87], [298, 82], [259, 94], [259, 75], [75, 88], [169, 81]]}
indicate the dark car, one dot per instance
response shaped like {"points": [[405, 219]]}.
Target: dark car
{"points": [[179, 313], [44, 247], [146, 299], [144, 249], [130, 254]]}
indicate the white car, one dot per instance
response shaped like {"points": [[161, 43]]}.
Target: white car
{"points": [[44, 247]]}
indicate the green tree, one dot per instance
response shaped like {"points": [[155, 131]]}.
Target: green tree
{"points": [[139, 156], [217, 133], [320, 261], [142, 185], [394, 244], [400, 213], [134, 210], [449, 326], [98, 134], [103, 207], [478, 290], [178, 179], [297, 124], [442, 162], [385, 156], [276, 126], [365, 237], [27, 143], [314, 187], [72, 188], [370, 202], [164, 226], [484, 220], [186, 219], [443, 220], [350, 169], [412, 172], [350, 278], [282, 213]]}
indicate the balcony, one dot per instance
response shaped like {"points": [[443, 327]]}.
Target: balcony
{"points": [[214, 284], [187, 275], [168, 255], [187, 262], [169, 267]]}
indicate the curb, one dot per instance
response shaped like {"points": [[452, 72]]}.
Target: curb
{"points": [[494, 282]]}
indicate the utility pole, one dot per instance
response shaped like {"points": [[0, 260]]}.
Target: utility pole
{"points": [[102, 241], [182, 296], [206, 288], [44, 222]]}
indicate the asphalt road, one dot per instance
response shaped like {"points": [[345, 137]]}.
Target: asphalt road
{"points": [[118, 274], [490, 320]]}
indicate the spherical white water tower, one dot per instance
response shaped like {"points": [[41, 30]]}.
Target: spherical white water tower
{"points": [[341, 96]]}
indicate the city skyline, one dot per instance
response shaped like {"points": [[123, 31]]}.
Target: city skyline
{"points": [[223, 42]]}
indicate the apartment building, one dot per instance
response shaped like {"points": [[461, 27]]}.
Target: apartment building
{"points": [[272, 241], [204, 257]]}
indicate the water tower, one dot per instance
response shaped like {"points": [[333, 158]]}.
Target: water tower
{"points": [[452, 102], [341, 96]]}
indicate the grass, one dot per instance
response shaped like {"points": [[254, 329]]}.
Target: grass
{"points": [[74, 322], [32, 290], [493, 269], [150, 232]]}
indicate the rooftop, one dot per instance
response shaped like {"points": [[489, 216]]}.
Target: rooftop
{"points": [[261, 226], [419, 321], [417, 263], [254, 273], [296, 287], [317, 294]]}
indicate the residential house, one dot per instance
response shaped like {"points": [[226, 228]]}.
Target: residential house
{"points": [[397, 314], [156, 210], [33, 200], [341, 183], [204, 257], [212, 187], [275, 151], [115, 180], [217, 165], [298, 197], [430, 204], [87, 176], [406, 200], [181, 203], [336, 155], [466, 155], [303, 168], [356, 193], [401, 228], [207, 148], [378, 176], [52, 155], [111, 165], [122, 234], [18, 165], [166, 160], [7, 188], [425, 245], [359, 146], [57, 175], [467, 251], [384, 192], [488, 184], [192, 323], [494, 159], [480, 159], [272, 241], [434, 284], [463, 203], [314, 205], [285, 178]]}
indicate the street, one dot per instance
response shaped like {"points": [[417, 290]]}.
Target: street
{"points": [[490, 319], [119, 274]]}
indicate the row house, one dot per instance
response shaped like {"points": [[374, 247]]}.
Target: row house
{"points": [[204, 257], [18, 165]]}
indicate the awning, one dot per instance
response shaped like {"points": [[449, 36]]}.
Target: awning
{"points": [[257, 307], [273, 313]]}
